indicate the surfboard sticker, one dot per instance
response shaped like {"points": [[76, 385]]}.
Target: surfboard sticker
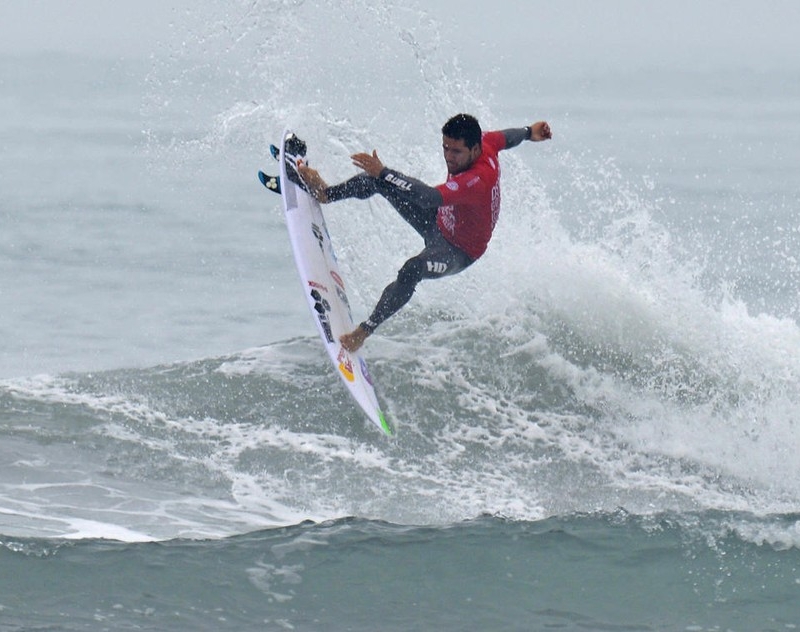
{"points": [[323, 284]]}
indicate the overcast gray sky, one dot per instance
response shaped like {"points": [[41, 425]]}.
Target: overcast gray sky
{"points": [[568, 31], [114, 27]]}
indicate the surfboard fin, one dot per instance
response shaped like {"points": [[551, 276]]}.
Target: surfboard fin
{"points": [[273, 183]]}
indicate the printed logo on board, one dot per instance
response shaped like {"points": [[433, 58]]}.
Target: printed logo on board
{"points": [[322, 307], [338, 279], [346, 365], [318, 234], [437, 267], [364, 371], [343, 298]]}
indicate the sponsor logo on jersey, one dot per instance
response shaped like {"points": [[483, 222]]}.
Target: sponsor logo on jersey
{"points": [[447, 218], [452, 185], [473, 182], [495, 204]]}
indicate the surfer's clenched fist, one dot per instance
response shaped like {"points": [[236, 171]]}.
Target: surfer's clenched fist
{"points": [[540, 131]]}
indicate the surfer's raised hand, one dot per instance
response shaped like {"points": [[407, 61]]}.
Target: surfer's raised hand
{"points": [[540, 131], [370, 163]]}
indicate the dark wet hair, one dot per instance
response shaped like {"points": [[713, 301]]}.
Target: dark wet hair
{"points": [[463, 127]]}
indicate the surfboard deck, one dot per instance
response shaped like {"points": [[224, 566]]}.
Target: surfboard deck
{"points": [[322, 281]]}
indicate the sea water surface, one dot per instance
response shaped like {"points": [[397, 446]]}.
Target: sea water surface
{"points": [[597, 424]]}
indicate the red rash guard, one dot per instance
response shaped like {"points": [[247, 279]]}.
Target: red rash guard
{"points": [[471, 200]]}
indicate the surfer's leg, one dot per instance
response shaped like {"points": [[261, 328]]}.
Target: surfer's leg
{"points": [[394, 296], [438, 260], [363, 186], [360, 187], [421, 219]]}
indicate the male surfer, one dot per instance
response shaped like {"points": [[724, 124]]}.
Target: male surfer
{"points": [[455, 219]]}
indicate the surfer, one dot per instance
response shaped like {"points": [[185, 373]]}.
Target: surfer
{"points": [[455, 219]]}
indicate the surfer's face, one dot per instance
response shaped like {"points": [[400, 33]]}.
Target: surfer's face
{"points": [[457, 155]]}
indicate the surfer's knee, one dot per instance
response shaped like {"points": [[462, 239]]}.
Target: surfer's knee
{"points": [[411, 273]]}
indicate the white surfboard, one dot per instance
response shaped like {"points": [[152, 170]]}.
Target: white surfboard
{"points": [[324, 288]]}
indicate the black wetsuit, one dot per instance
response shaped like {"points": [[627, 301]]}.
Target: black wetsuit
{"points": [[418, 204]]}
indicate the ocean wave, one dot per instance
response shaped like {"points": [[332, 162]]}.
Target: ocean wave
{"points": [[487, 423]]}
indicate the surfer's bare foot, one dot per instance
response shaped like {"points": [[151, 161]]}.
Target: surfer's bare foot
{"points": [[352, 342], [316, 185]]}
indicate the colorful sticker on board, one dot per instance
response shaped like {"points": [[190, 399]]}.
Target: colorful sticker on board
{"points": [[337, 278], [365, 372], [346, 365]]}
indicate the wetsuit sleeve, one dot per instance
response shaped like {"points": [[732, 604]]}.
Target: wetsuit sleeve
{"points": [[408, 189], [515, 136]]}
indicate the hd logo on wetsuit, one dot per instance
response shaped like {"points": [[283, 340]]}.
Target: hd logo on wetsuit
{"points": [[322, 307]]}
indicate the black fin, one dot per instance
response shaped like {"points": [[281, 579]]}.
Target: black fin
{"points": [[273, 183]]}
